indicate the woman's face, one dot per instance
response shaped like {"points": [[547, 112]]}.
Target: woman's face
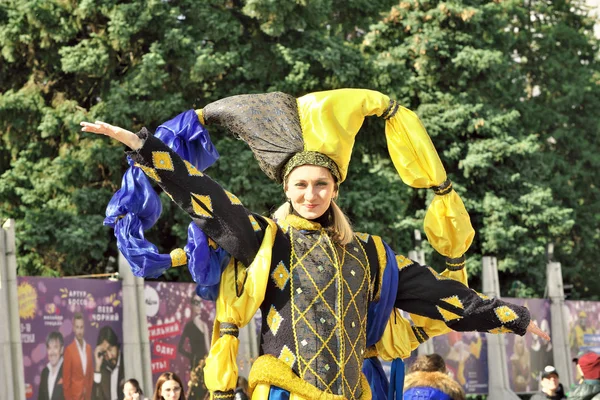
{"points": [[310, 188], [170, 390], [129, 391]]}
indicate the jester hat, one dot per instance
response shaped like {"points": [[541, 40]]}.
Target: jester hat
{"points": [[320, 129]]}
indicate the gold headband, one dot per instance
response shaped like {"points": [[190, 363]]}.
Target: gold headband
{"points": [[311, 158]]}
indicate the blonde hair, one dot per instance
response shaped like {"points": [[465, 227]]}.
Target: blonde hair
{"points": [[341, 230]]}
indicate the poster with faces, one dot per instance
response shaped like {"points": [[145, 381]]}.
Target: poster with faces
{"points": [[61, 322]]}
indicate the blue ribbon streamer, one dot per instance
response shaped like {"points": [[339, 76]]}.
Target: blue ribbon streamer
{"points": [[379, 312], [205, 264], [186, 136], [375, 375], [136, 207], [396, 380]]}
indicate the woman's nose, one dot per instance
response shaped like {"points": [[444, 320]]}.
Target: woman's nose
{"points": [[310, 193]]}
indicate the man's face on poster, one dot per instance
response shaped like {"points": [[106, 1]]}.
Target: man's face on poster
{"points": [[110, 354], [54, 351], [79, 329]]}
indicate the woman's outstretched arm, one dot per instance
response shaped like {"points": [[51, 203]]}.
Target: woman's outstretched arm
{"points": [[218, 213], [423, 291]]}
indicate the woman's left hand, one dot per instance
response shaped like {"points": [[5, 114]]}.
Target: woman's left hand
{"points": [[533, 328]]}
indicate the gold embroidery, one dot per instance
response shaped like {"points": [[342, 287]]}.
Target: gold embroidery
{"points": [[499, 330], [455, 301], [311, 158], [505, 314], [198, 201], [447, 315], [287, 356], [162, 160], [178, 258], [234, 200], [150, 172], [280, 275], [274, 320], [255, 224], [191, 169]]}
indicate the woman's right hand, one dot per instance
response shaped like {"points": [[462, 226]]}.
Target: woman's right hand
{"points": [[124, 136]]}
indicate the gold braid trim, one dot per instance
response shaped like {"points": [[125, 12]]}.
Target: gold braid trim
{"points": [[382, 256], [312, 158], [270, 370]]}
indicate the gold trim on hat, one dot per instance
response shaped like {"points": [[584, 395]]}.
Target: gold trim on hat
{"points": [[311, 158]]}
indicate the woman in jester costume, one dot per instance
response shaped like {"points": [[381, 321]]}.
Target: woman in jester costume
{"points": [[329, 296]]}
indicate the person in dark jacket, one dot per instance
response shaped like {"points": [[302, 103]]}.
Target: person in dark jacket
{"points": [[589, 367], [51, 381], [428, 379], [550, 386]]}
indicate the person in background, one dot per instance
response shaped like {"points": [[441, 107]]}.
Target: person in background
{"points": [[132, 390], [78, 368], [428, 380], [550, 386], [51, 382], [588, 366], [196, 333], [168, 387], [241, 392], [108, 372]]}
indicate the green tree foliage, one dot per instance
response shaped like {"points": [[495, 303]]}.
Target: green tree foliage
{"points": [[501, 104], [513, 118]]}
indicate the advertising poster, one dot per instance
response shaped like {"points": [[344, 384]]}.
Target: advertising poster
{"points": [[528, 355], [70, 327], [466, 359], [584, 328], [180, 329]]}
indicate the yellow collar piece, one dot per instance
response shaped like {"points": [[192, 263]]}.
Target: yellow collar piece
{"points": [[299, 223]]}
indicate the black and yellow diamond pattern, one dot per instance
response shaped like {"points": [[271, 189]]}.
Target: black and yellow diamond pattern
{"points": [[455, 301], [274, 320], [234, 200], [280, 275], [287, 356], [202, 205], [150, 172], [192, 171], [255, 224], [162, 160], [403, 262], [447, 315], [362, 236], [505, 314], [500, 329]]}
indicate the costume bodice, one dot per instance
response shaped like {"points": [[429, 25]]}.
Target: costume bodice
{"points": [[315, 312]]}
